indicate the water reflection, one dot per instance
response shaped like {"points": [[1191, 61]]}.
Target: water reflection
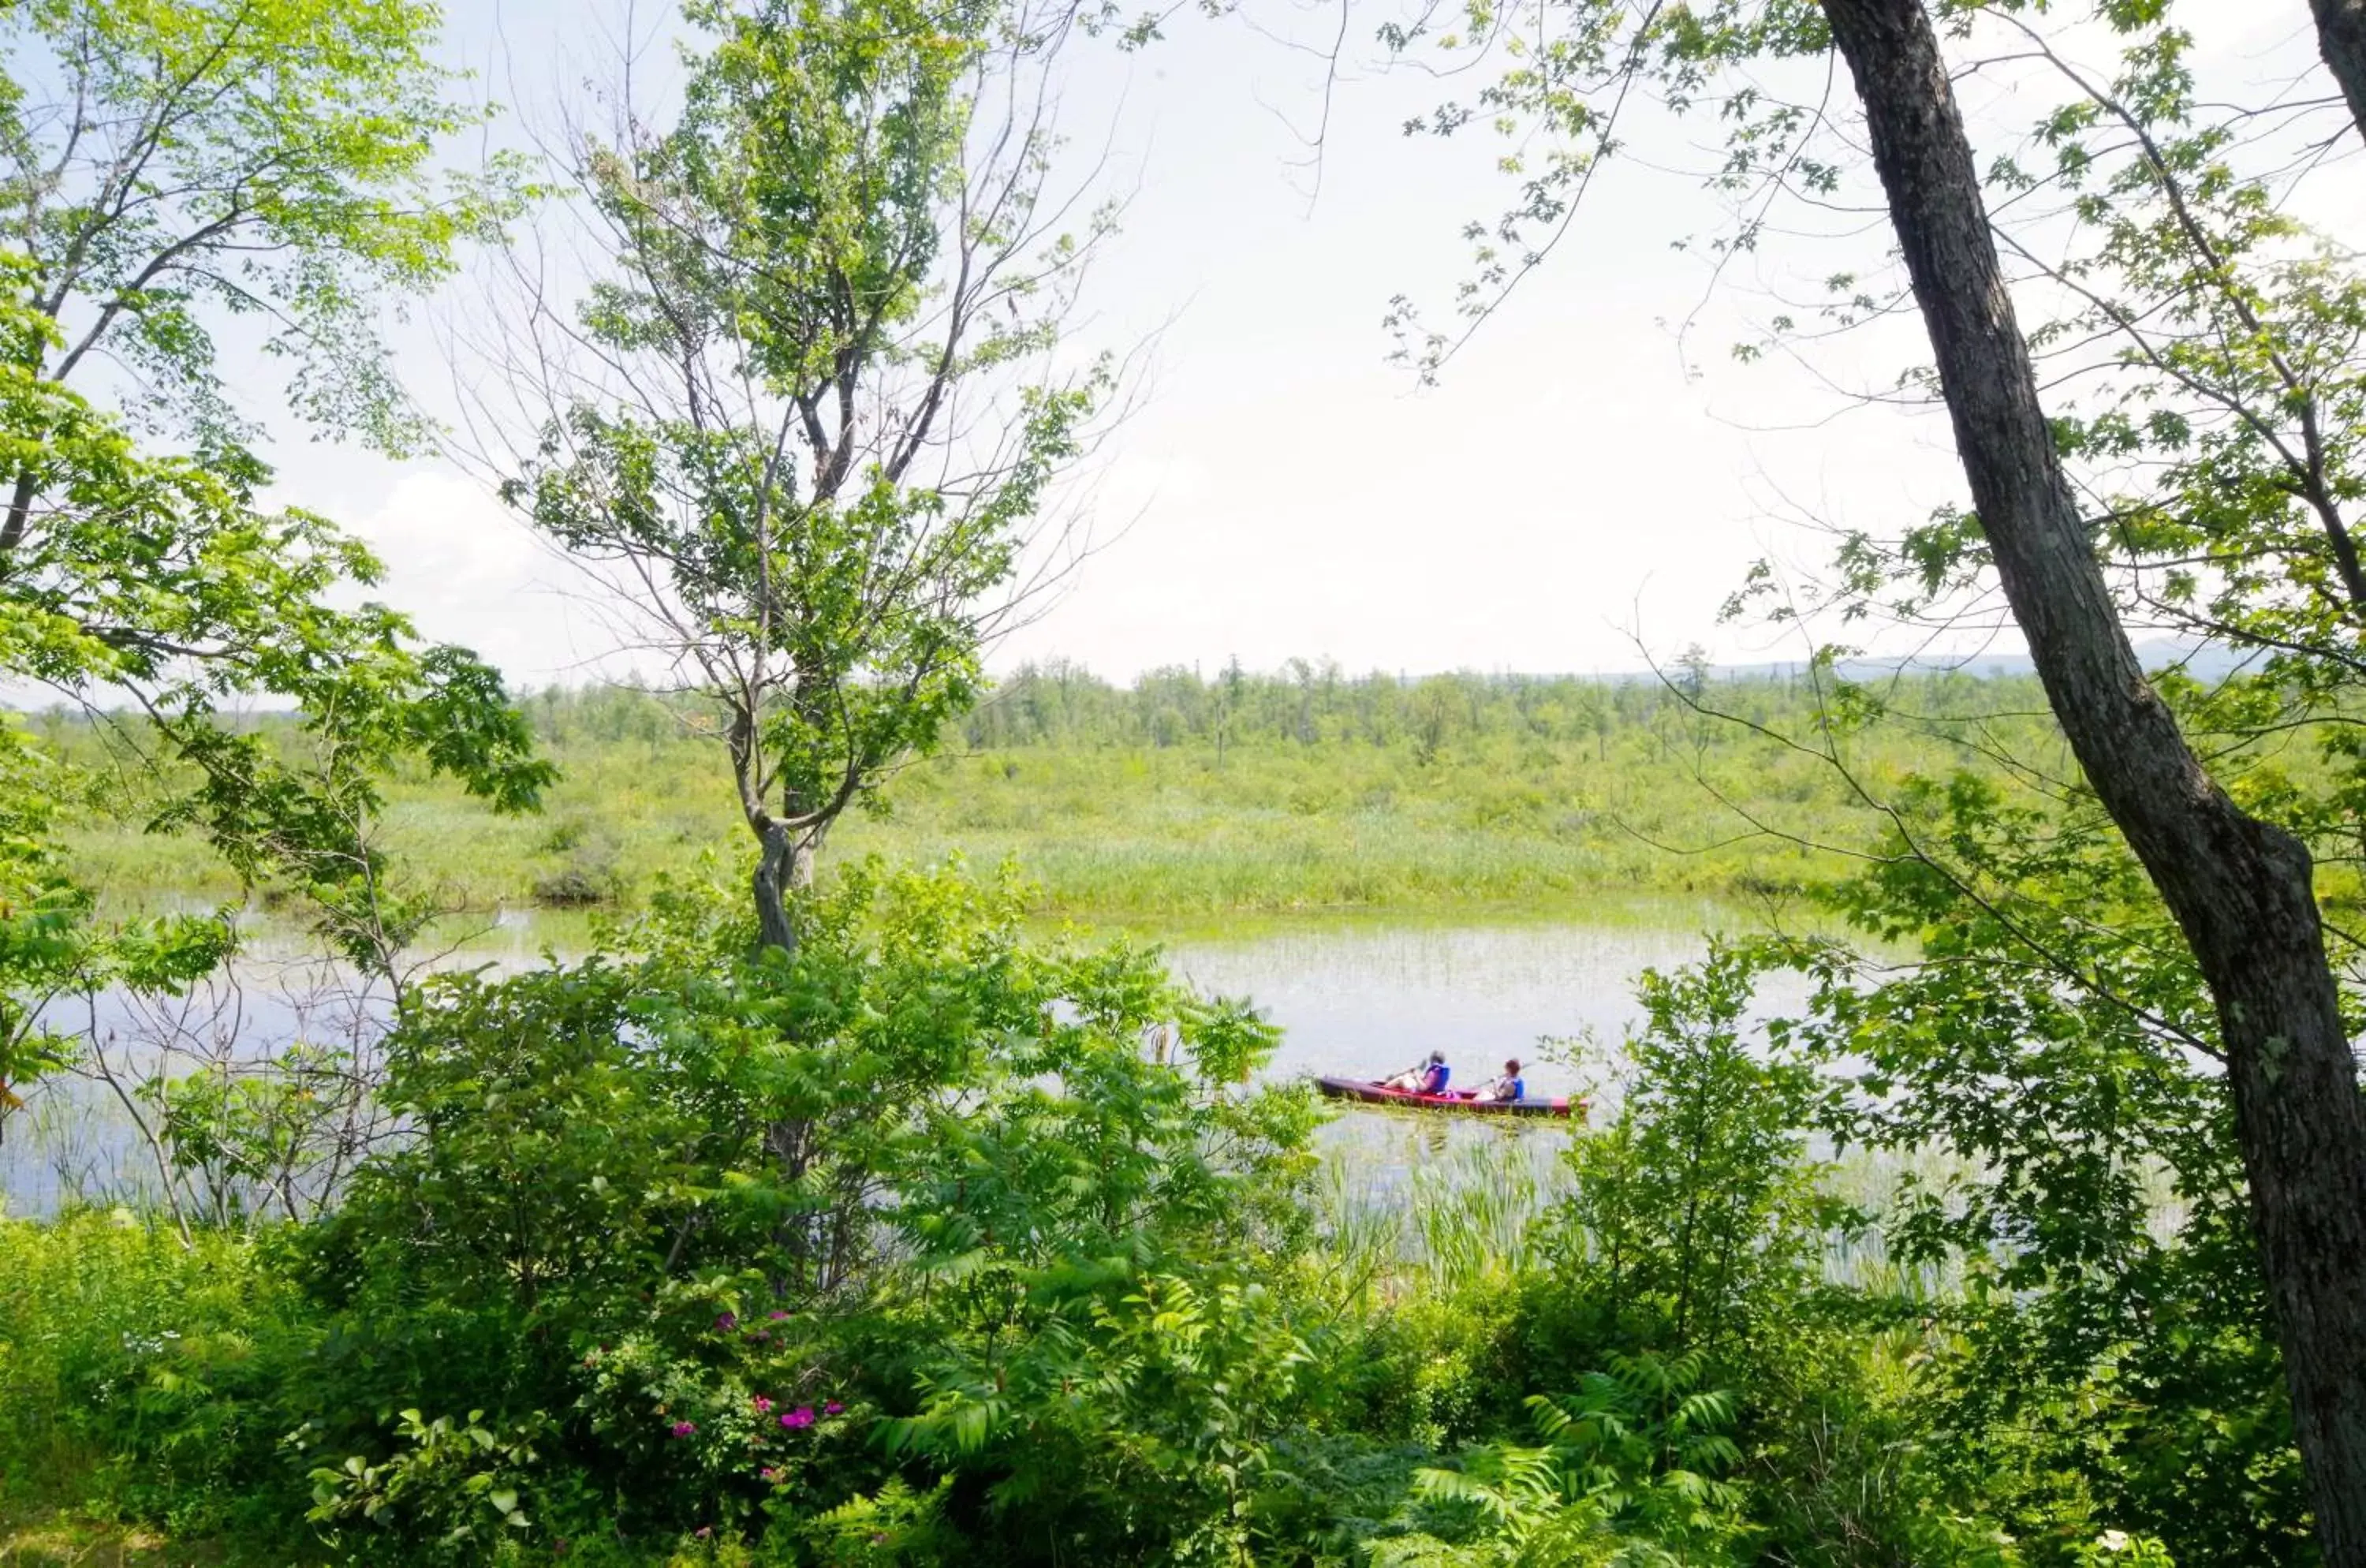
{"points": [[91, 1134]]}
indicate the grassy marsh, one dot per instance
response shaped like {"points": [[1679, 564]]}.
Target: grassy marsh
{"points": [[1180, 801]]}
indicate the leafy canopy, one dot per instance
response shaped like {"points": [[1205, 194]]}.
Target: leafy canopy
{"points": [[819, 417], [172, 166]]}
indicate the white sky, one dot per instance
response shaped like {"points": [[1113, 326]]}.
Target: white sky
{"points": [[1282, 490]]}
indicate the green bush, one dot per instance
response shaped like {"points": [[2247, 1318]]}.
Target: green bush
{"points": [[1695, 1217], [727, 1238], [149, 1375], [939, 1242]]}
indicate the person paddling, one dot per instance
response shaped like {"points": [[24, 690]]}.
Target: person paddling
{"points": [[1429, 1078], [1507, 1087]]}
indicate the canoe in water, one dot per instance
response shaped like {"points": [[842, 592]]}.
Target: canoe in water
{"points": [[1374, 1094]]}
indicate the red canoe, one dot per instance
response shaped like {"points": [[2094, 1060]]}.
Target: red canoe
{"points": [[1374, 1094]]}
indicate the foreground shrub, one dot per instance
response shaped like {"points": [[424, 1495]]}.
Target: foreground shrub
{"points": [[726, 1239], [147, 1373], [937, 1244]]}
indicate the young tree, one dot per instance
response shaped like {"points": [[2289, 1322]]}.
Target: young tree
{"points": [[803, 421], [2238, 886]]}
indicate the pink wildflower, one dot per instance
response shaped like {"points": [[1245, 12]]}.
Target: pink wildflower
{"points": [[726, 1323], [833, 1408], [684, 1428], [801, 1416], [763, 1405]]}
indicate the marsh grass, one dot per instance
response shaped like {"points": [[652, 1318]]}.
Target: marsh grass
{"points": [[1422, 1206], [59, 1533], [80, 1299], [1455, 794], [1414, 1209], [1099, 836]]}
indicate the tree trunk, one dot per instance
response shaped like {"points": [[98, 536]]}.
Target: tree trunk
{"points": [[784, 869], [777, 878], [2341, 39], [2239, 889], [20, 512]]}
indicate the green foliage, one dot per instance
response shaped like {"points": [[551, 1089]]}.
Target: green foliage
{"points": [[723, 1218], [181, 163], [1848, 1468], [894, 1525], [1436, 1368], [177, 166], [916, 1248], [2096, 1203], [245, 1138], [1628, 1473], [1133, 1407], [147, 1370], [155, 579], [1696, 1211], [456, 1475], [807, 277], [48, 942]]}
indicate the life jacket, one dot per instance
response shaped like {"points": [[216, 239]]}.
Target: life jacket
{"points": [[1436, 1082], [1519, 1088]]}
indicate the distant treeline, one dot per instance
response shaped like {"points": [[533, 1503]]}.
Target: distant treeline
{"points": [[1059, 703]]}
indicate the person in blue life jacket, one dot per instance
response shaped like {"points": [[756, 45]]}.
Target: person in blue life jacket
{"points": [[1427, 1078], [1508, 1086]]}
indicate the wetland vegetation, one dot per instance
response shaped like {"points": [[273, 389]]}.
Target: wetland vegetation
{"points": [[1182, 799], [858, 1182]]}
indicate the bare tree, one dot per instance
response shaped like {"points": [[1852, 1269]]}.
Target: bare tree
{"points": [[239, 1102]]}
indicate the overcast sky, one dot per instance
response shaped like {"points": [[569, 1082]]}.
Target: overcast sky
{"points": [[1585, 474]]}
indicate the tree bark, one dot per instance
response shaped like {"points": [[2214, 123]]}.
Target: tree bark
{"points": [[777, 878], [784, 869], [785, 863], [2341, 39], [2240, 889], [20, 512]]}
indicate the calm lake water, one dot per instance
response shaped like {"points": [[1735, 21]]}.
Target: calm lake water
{"points": [[1354, 998], [1365, 1001]]}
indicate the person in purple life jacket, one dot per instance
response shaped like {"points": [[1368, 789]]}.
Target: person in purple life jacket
{"points": [[1427, 1078]]}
